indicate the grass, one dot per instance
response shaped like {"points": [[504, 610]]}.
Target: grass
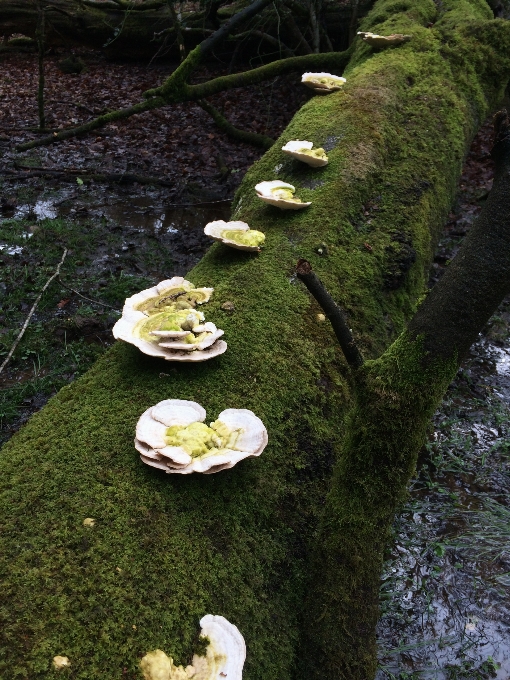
{"points": [[67, 333]]}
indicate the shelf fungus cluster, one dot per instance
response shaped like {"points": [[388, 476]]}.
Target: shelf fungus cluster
{"points": [[383, 40], [279, 194], [163, 322], [172, 436], [235, 234], [322, 83], [305, 152], [224, 658]]}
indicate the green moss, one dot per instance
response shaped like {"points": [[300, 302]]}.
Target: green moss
{"points": [[166, 550], [396, 396]]}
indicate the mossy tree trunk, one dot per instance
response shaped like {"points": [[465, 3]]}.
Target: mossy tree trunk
{"points": [[242, 543]]}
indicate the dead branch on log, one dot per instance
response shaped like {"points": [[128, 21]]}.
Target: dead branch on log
{"points": [[332, 311]]}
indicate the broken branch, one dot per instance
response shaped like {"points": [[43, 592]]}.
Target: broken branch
{"points": [[332, 311]]}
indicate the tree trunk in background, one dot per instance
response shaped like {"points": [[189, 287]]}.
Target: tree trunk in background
{"points": [[251, 542], [131, 34]]}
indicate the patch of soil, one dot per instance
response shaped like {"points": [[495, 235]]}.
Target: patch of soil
{"points": [[179, 144]]}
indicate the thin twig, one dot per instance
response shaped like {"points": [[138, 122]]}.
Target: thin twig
{"points": [[95, 302], [332, 311], [34, 307]]}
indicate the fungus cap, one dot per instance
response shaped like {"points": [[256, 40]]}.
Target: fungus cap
{"points": [[279, 194], [383, 40], [224, 657], [60, 662], [172, 436], [305, 152], [169, 290], [162, 322], [225, 654], [235, 234], [322, 83]]}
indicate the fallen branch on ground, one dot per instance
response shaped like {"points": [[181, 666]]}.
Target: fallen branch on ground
{"points": [[233, 132], [176, 89], [31, 313]]}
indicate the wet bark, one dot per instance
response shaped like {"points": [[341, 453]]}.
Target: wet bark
{"points": [[462, 302]]}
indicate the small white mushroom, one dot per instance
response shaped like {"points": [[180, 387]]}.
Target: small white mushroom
{"points": [[305, 152], [383, 40], [172, 436], [322, 83], [235, 234], [280, 194]]}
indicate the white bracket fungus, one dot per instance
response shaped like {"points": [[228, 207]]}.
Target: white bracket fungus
{"points": [[383, 40], [163, 322], [305, 152], [322, 83], [173, 437], [224, 658], [279, 194], [235, 234]]}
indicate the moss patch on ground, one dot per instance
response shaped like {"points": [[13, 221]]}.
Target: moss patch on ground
{"points": [[166, 550]]}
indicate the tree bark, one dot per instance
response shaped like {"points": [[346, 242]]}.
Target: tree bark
{"points": [[264, 544]]}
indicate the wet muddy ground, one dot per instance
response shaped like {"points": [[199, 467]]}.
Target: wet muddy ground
{"points": [[445, 592]]}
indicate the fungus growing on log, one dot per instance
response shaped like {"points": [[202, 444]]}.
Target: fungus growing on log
{"points": [[305, 152], [224, 657], [383, 40], [322, 83], [173, 437], [279, 194], [60, 662], [163, 322], [235, 234]]}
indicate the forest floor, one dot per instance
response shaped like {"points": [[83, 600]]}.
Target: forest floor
{"points": [[445, 601]]}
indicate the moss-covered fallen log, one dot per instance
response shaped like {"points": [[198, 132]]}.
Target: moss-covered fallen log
{"points": [[165, 550]]}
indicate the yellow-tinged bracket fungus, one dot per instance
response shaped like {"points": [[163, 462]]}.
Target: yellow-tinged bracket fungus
{"points": [[305, 152], [224, 658], [163, 322], [60, 662], [235, 234], [172, 436], [383, 40], [279, 194], [322, 83]]}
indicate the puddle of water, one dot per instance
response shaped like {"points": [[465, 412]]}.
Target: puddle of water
{"points": [[445, 597], [10, 250]]}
